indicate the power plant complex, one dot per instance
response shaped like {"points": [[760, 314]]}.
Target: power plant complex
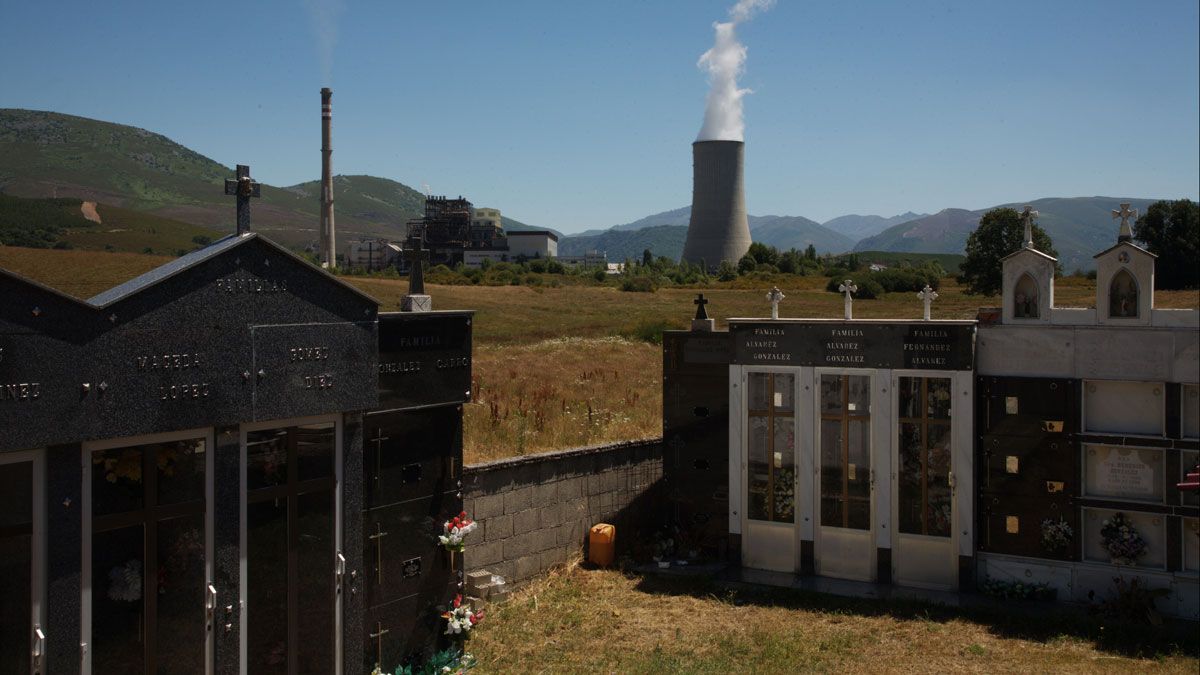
{"points": [[718, 230]]}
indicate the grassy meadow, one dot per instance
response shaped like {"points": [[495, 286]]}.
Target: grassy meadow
{"points": [[602, 621], [560, 367]]}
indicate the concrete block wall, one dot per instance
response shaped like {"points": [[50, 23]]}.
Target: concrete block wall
{"points": [[534, 511]]}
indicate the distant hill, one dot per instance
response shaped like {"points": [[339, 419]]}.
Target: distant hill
{"points": [[662, 240], [72, 223], [857, 227], [47, 154], [786, 232], [1080, 227], [948, 261], [782, 232]]}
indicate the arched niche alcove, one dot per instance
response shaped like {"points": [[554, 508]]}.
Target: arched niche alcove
{"points": [[1025, 298], [1123, 296]]}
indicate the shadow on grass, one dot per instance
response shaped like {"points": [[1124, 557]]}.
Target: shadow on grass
{"points": [[1027, 620]]}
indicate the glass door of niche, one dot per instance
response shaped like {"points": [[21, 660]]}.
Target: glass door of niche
{"points": [[844, 546], [923, 551], [289, 543], [769, 534], [147, 598], [22, 618]]}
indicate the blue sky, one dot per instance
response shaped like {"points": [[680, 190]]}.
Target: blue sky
{"points": [[577, 115]]}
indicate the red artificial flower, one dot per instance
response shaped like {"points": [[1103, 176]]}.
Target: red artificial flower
{"points": [[457, 601]]}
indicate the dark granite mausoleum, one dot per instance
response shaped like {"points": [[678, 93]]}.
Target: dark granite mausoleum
{"points": [[233, 463]]}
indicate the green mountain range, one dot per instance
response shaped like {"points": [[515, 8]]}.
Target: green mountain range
{"points": [[664, 234], [1080, 227], [52, 155]]}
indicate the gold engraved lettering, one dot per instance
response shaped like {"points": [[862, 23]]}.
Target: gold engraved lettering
{"points": [[768, 331]]}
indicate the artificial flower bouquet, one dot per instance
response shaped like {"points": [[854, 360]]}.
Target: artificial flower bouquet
{"points": [[460, 619], [456, 529], [1121, 540], [1057, 534]]}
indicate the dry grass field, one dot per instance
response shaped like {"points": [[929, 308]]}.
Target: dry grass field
{"points": [[590, 621], [573, 365]]}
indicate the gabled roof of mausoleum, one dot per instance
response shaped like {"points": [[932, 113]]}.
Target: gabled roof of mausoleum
{"points": [[1029, 250], [1119, 244]]}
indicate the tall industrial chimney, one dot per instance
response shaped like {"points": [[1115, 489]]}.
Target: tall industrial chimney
{"points": [[718, 229], [328, 237]]}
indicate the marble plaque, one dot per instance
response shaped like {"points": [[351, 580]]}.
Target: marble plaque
{"points": [[1124, 473]]}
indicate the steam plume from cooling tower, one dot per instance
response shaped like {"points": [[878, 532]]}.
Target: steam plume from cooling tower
{"points": [[724, 62]]}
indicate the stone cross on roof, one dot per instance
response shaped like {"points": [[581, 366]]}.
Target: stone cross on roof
{"points": [[1126, 232], [245, 188], [848, 287], [774, 297], [1028, 215], [416, 256], [700, 302], [927, 296]]}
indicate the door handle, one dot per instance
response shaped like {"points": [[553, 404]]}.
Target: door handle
{"points": [[39, 648], [210, 605]]}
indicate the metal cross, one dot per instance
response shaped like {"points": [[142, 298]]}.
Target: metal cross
{"points": [[848, 287], [377, 636], [416, 254], [1028, 215], [774, 297], [245, 188], [927, 296], [378, 441], [1125, 214], [378, 539], [700, 302]]}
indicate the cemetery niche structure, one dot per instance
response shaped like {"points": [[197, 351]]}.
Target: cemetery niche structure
{"points": [[233, 463], [1037, 444]]}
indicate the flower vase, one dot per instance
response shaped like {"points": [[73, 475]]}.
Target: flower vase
{"points": [[1124, 562]]}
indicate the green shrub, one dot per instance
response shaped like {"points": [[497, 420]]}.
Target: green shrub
{"points": [[639, 285], [868, 288], [600, 275]]}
